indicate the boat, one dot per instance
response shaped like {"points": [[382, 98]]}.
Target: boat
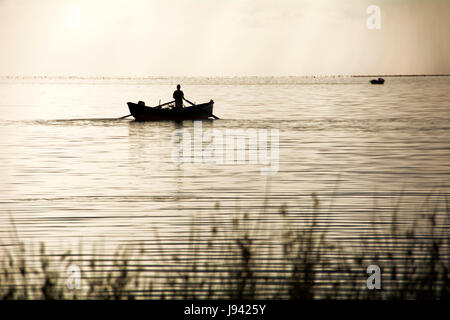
{"points": [[141, 112], [377, 81]]}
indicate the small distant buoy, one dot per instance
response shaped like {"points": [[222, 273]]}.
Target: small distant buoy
{"points": [[377, 81]]}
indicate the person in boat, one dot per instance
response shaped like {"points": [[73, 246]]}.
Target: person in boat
{"points": [[178, 95]]}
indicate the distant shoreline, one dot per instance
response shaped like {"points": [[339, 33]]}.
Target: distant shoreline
{"points": [[224, 77]]}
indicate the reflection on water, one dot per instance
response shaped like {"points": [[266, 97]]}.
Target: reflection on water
{"points": [[70, 173]]}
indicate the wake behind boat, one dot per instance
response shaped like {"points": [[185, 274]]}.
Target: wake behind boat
{"points": [[141, 112]]}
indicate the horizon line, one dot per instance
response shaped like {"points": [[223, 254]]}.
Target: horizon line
{"points": [[224, 76]]}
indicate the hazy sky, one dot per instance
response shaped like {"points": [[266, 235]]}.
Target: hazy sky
{"points": [[222, 37]]}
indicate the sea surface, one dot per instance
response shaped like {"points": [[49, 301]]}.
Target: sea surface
{"points": [[73, 175]]}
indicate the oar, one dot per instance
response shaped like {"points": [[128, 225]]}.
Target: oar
{"points": [[164, 104], [124, 117], [189, 101], [208, 113]]}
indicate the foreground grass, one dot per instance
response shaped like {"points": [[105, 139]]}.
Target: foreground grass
{"points": [[248, 262]]}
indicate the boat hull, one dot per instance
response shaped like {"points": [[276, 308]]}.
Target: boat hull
{"points": [[198, 112], [377, 81]]}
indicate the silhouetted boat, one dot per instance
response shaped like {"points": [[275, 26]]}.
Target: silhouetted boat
{"points": [[377, 81], [196, 112]]}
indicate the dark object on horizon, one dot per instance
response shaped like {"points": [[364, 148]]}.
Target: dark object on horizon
{"points": [[377, 81], [196, 112]]}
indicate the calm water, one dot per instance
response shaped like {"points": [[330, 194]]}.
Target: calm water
{"points": [[71, 174]]}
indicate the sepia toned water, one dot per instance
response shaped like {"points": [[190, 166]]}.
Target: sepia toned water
{"points": [[72, 175]]}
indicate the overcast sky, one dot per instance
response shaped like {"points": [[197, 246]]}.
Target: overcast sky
{"points": [[222, 37]]}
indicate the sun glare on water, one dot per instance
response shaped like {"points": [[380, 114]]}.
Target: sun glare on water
{"points": [[73, 17]]}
